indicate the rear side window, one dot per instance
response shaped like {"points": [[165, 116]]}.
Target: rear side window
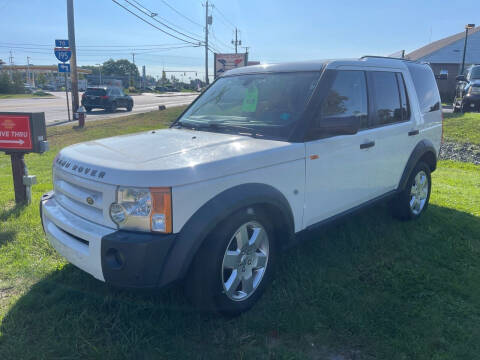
{"points": [[425, 86], [347, 97], [96, 92], [385, 92], [475, 73]]}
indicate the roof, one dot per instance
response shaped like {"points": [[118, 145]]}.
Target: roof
{"points": [[439, 44], [317, 65]]}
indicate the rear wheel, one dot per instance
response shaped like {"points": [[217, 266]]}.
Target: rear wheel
{"points": [[88, 108], [113, 107], [413, 200], [234, 265]]}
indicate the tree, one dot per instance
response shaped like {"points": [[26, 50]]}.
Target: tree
{"points": [[121, 67], [5, 84], [41, 79]]}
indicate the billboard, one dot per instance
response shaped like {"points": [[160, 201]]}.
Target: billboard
{"points": [[225, 62]]}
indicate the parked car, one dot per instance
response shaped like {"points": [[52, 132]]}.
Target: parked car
{"points": [[108, 98], [264, 155], [467, 97]]}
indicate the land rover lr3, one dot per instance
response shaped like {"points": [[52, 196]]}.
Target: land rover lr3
{"points": [[264, 154]]}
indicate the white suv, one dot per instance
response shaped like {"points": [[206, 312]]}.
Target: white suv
{"points": [[266, 153]]}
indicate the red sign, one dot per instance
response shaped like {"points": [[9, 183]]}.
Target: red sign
{"points": [[15, 132]]}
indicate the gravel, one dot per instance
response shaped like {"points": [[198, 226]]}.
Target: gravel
{"points": [[460, 152]]}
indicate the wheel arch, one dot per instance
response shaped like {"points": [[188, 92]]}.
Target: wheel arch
{"points": [[218, 209], [423, 151]]}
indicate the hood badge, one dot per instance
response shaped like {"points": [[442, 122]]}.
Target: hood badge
{"points": [[66, 164], [90, 201]]}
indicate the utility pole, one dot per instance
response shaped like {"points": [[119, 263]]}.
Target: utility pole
{"points": [[467, 27], [236, 42], [208, 21], [130, 80], [73, 59]]}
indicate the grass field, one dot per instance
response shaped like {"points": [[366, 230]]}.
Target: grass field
{"points": [[23, 96], [369, 288], [463, 128]]}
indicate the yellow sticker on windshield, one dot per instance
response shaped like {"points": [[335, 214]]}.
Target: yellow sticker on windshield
{"points": [[251, 99]]}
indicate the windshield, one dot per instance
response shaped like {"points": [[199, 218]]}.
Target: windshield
{"points": [[258, 104], [475, 73]]}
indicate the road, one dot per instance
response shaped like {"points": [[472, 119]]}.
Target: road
{"points": [[55, 109]]}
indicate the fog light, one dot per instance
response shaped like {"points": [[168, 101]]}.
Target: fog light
{"points": [[159, 223], [117, 213]]}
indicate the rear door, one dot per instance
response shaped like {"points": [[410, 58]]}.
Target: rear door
{"points": [[391, 128]]}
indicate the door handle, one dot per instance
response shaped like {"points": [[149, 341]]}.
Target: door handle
{"points": [[367, 145], [413, 132]]}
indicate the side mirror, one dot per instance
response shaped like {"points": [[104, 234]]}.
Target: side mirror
{"points": [[336, 125], [461, 78]]}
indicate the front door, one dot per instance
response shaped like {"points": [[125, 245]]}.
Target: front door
{"points": [[339, 168]]}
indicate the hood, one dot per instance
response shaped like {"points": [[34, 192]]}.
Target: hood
{"points": [[172, 157]]}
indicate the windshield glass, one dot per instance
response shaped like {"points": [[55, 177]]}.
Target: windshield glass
{"points": [[258, 104], [476, 72], [95, 92]]}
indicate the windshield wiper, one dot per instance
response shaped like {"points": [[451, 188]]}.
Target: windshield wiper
{"points": [[218, 126]]}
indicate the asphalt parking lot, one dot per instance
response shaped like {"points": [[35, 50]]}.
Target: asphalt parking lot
{"points": [[55, 108]]}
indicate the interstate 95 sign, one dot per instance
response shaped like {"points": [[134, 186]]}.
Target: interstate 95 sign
{"points": [[15, 132]]}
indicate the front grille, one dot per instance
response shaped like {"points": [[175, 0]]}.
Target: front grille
{"points": [[88, 199]]}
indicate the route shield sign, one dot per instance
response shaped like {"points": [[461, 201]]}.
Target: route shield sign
{"points": [[63, 55], [15, 132], [63, 68], [61, 43]]}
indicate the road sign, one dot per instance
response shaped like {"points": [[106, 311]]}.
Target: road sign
{"points": [[61, 43], [62, 54], [15, 132], [63, 68], [225, 62]]}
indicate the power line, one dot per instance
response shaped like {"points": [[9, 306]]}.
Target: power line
{"points": [[152, 15], [223, 16], [155, 14], [92, 46], [179, 13], [153, 25]]}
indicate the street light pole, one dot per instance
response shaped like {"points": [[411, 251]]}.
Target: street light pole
{"points": [[467, 27], [100, 71]]}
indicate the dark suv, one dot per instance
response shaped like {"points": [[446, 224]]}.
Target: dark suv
{"points": [[467, 96], [107, 98]]}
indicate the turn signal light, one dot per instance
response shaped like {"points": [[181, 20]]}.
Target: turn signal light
{"points": [[161, 214]]}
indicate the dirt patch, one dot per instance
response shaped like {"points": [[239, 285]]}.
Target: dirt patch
{"points": [[460, 152]]}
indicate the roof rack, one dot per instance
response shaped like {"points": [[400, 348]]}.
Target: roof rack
{"points": [[385, 57]]}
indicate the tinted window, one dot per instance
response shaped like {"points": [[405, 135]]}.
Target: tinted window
{"points": [[425, 86], [403, 97], [386, 98], [347, 97], [95, 92]]}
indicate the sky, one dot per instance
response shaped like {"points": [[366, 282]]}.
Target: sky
{"points": [[274, 31]]}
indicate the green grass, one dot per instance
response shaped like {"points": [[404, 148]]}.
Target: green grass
{"points": [[25, 96], [371, 287], [463, 128]]}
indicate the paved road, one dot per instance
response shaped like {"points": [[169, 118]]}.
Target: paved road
{"points": [[56, 109]]}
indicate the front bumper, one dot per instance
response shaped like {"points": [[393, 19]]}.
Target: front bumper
{"points": [[122, 258], [471, 103]]}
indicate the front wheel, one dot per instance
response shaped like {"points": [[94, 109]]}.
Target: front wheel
{"points": [[234, 265], [413, 200], [129, 107]]}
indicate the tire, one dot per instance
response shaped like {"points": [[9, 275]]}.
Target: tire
{"points": [[129, 107], [413, 200], [88, 108], [218, 279], [113, 107]]}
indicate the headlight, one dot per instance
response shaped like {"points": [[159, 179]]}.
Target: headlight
{"points": [[475, 90], [143, 209]]}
